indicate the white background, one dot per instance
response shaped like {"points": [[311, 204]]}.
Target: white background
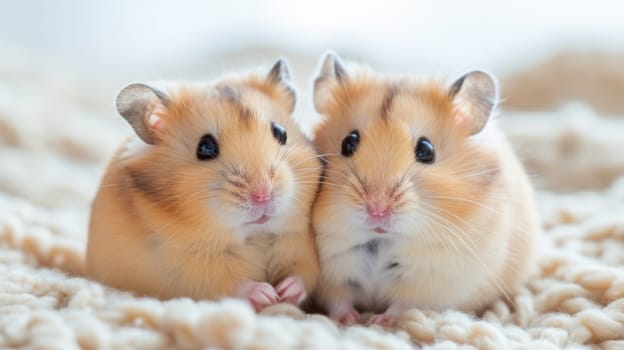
{"points": [[431, 36]]}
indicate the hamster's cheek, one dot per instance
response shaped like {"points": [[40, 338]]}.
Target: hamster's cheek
{"points": [[342, 218], [228, 213], [413, 225], [285, 190]]}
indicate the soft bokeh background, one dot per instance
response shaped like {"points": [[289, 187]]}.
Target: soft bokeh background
{"points": [[197, 39], [446, 36], [62, 63]]}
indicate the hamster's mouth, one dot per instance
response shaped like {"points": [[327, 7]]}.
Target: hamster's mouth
{"points": [[261, 220], [378, 229]]}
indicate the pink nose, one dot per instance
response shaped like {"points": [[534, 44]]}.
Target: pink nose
{"points": [[261, 196], [378, 210]]}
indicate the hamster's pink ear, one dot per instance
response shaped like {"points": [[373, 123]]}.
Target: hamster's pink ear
{"points": [[280, 75], [474, 97], [332, 71], [137, 103]]}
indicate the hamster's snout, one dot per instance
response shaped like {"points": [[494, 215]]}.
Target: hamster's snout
{"points": [[261, 200], [261, 196], [379, 215], [379, 210]]}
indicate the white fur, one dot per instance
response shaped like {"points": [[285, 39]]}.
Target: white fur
{"points": [[134, 147]]}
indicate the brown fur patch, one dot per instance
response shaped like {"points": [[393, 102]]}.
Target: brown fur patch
{"points": [[386, 105], [437, 98], [228, 93], [152, 188], [234, 97]]}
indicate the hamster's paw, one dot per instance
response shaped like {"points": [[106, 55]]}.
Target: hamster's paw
{"points": [[388, 318], [345, 314], [291, 290], [383, 320], [258, 294]]}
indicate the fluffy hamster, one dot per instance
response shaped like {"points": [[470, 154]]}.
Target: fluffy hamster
{"points": [[212, 196], [423, 202]]}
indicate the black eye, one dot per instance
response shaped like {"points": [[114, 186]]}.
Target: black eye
{"points": [[424, 151], [350, 143], [207, 148], [279, 133]]}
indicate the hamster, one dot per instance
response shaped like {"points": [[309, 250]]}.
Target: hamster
{"points": [[423, 202], [212, 197]]}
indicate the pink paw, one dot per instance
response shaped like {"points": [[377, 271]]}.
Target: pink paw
{"points": [[346, 315], [383, 320], [291, 290], [259, 294]]}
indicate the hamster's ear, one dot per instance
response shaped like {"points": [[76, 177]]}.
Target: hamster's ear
{"points": [[332, 71], [280, 75], [474, 97], [137, 104]]}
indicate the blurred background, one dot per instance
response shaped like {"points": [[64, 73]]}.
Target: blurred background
{"points": [[523, 43], [560, 64]]}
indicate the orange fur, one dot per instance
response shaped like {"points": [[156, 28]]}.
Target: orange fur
{"points": [[166, 224], [464, 227]]}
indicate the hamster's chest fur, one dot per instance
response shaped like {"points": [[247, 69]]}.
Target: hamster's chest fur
{"points": [[377, 271], [369, 269]]}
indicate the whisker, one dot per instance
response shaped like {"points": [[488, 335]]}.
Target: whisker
{"points": [[462, 237]]}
